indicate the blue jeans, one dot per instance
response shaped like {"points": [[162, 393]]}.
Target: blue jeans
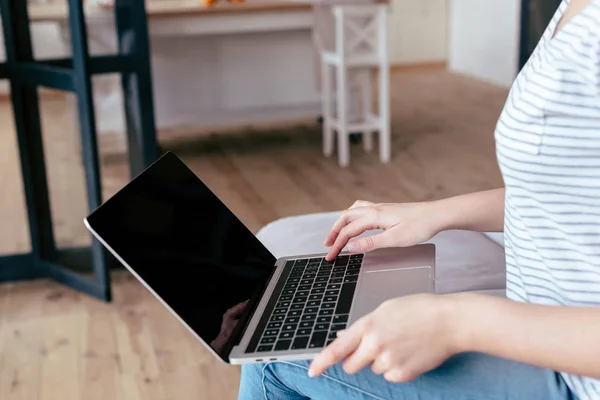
{"points": [[467, 376]]}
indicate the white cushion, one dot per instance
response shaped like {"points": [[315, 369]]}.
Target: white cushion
{"points": [[465, 261]]}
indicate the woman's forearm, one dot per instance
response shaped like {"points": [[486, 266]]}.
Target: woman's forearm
{"points": [[481, 211], [558, 338]]}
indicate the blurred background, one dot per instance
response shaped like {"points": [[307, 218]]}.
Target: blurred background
{"points": [[237, 93]]}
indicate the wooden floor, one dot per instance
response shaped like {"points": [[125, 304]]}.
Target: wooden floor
{"points": [[57, 344]]}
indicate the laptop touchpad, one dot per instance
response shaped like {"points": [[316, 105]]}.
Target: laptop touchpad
{"points": [[379, 286]]}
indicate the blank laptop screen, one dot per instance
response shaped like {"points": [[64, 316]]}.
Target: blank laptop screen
{"points": [[189, 248]]}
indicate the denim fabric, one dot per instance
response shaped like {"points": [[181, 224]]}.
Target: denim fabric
{"points": [[469, 376]]}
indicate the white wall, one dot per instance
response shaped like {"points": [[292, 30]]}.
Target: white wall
{"points": [[418, 31], [484, 39]]}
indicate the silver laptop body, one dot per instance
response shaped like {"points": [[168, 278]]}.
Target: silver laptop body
{"points": [[293, 306]]}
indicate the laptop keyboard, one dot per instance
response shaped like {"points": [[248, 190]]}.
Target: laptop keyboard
{"points": [[311, 303]]}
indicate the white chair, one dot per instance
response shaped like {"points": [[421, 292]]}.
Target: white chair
{"points": [[352, 40]]}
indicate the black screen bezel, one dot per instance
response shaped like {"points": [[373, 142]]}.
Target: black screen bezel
{"points": [[169, 159]]}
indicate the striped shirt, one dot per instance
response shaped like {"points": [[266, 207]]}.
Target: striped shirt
{"points": [[548, 149]]}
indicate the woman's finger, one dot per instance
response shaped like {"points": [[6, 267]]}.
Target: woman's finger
{"points": [[382, 364], [397, 375], [362, 357], [344, 219], [369, 243], [337, 350], [348, 232], [362, 203]]}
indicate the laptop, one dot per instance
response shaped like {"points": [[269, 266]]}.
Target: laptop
{"points": [[244, 304]]}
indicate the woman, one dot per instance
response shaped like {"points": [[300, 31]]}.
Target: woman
{"points": [[470, 346]]}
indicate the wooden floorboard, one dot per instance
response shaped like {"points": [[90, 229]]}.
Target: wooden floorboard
{"points": [[58, 344]]}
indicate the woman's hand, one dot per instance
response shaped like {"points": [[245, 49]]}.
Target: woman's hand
{"points": [[404, 225], [402, 339]]}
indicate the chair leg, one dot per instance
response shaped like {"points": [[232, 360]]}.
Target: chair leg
{"points": [[326, 98], [385, 150], [342, 117], [366, 103]]}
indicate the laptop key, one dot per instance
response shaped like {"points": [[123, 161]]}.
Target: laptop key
{"points": [[289, 327], [267, 340], [302, 293], [338, 275], [297, 274], [276, 318], [288, 292], [345, 300], [338, 327], [341, 261], [309, 276], [338, 319], [334, 286], [306, 281], [322, 279], [264, 348], [283, 345], [315, 297], [336, 280], [295, 313], [303, 287], [326, 312], [306, 324], [301, 263], [318, 339], [300, 299], [357, 256], [283, 304], [280, 311], [309, 317], [285, 298], [300, 343], [320, 285], [324, 319], [315, 260], [328, 305], [339, 269], [313, 303], [327, 262], [323, 272], [332, 293], [293, 280], [303, 332], [274, 325], [271, 332], [352, 273], [297, 306], [350, 279], [290, 286], [311, 310], [286, 335], [322, 327], [330, 298], [332, 335], [292, 320], [317, 291]]}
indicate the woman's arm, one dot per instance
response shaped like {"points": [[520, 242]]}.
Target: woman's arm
{"points": [[409, 336], [565, 339], [481, 211], [408, 224]]}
